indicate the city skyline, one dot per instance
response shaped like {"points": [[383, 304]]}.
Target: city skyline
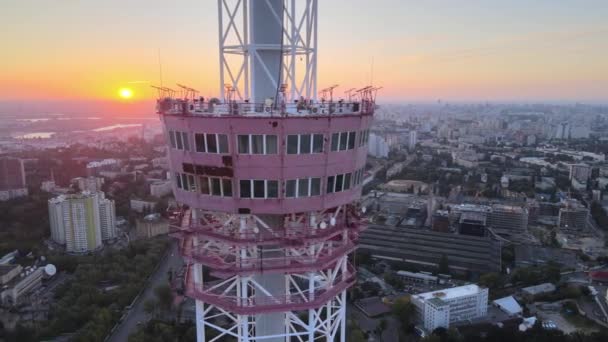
{"points": [[473, 51]]}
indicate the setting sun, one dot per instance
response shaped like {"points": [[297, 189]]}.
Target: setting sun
{"points": [[125, 93]]}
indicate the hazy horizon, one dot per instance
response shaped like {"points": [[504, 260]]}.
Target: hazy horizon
{"points": [[466, 51]]}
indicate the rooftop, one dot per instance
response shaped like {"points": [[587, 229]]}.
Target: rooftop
{"points": [[540, 288], [4, 269], [451, 293], [509, 305]]}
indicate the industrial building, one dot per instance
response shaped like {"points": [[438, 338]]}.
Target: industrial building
{"points": [[424, 248], [19, 283], [572, 215], [82, 221], [508, 219], [444, 307]]}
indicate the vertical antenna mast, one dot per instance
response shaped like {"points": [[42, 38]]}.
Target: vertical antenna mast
{"points": [[160, 69], [255, 58]]}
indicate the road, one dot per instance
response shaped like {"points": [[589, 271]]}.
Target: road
{"points": [[137, 313]]}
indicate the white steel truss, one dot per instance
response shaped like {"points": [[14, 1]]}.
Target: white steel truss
{"points": [[299, 48], [325, 321], [312, 302]]}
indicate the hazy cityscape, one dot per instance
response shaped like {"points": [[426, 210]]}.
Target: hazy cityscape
{"points": [[273, 207]]}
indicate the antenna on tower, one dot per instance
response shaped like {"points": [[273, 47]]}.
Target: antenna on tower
{"points": [[188, 92], [160, 69], [349, 94], [371, 73], [328, 91]]}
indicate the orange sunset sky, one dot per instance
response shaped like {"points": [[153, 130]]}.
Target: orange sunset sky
{"points": [[516, 50]]}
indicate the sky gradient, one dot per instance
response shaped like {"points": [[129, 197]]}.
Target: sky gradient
{"points": [[486, 50]]}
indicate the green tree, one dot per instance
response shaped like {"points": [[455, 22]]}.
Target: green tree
{"points": [[404, 310], [382, 325], [150, 306], [444, 266], [164, 296], [491, 280]]}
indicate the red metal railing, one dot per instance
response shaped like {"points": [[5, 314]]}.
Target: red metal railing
{"points": [[287, 236], [290, 264]]}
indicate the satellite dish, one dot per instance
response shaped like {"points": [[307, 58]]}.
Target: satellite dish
{"points": [[363, 209], [50, 270], [323, 225], [332, 221]]}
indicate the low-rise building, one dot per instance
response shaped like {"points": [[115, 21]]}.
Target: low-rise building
{"points": [[8, 272], [151, 225], [443, 307], [539, 289], [419, 278], [572, 215], [27, 281], [91, 184], [142, 206]]}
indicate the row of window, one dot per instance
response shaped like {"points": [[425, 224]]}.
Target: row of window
{"points": [[363, 137], [257, 144], [343, 141], [213, 186], [358, 178], [179, 140], [211, 143], [338, 183], [267, 143], [261, 188], [303, 187], [185, 181], [257, 188], [304, 143]]}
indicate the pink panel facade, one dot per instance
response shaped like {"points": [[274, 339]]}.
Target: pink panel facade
{"points": [[280, 166]]}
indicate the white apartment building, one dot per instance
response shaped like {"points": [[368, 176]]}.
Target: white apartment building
{"points": [[82, 221], [107, 217], [378, 146], [443, 307]]}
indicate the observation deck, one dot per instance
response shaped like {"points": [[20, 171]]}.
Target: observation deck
{"points": [[200, 107], [249, 158]]}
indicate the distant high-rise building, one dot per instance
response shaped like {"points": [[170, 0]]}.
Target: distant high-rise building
{"points": [[413, 140], [82, 221], [580, 172], [378, 146], [12, 178], [562, 131]]}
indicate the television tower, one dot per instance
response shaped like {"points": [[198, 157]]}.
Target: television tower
{"points": [[269, 177]]}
